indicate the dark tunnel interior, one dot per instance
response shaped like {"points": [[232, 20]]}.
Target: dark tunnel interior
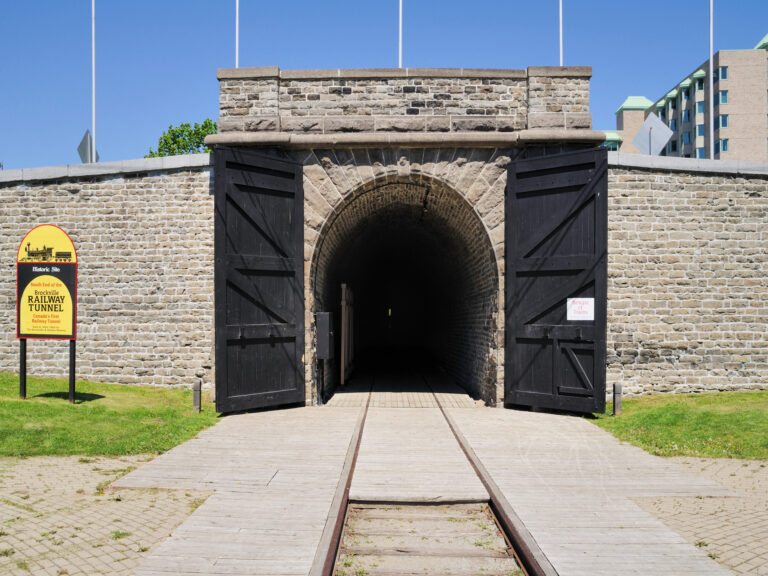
{"points": [[424, 285]]}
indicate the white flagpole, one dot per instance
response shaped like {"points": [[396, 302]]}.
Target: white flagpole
{"points": [[93, 81], [237, 33], [711, 84], [561, 32], [400, 39]]}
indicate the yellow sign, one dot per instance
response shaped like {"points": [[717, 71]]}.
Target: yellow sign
{"points": [[46, 243], [46, 307], [46, 288]]}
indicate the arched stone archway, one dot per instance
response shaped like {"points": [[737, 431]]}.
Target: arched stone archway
{"points": [[426, 276]]}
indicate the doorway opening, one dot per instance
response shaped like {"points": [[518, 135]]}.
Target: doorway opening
{"points": [[425, 281]]}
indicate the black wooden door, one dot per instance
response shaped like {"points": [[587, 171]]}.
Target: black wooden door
{"points": [[556, 248], [259, 280]]}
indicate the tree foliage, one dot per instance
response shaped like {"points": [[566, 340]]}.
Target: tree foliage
{"points": [[183, 139]]}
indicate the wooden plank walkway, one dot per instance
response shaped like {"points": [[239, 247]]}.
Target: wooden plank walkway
{"points": [[571, 484], [411, 455], [273, 476], [401, 389]]}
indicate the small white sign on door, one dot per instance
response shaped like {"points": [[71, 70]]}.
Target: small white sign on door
{"points": [[581, 308]]}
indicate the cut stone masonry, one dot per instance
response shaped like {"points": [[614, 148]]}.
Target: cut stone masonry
{"points": [[403, 100]]}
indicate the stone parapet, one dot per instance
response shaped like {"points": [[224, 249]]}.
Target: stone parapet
{"points": [[421, 100]]}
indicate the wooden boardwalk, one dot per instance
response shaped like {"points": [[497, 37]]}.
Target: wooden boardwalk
{"points": [[273, 476], [571, 484], [410, 455], [401, 389], [276, 476]]}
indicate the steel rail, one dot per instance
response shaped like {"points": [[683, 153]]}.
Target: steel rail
{"points": [[529, 555], [325, 556]]}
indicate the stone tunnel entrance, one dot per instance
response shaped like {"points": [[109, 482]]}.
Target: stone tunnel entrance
{"points": [[392, 182], [425, 280]]}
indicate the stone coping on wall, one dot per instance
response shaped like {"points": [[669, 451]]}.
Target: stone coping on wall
{"points": [[406, 139], [693, 165], [369, 73], [162, 164], [481, 140]]}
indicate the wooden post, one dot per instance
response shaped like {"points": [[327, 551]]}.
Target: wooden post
{"points": [[23, 368], [196, 397], [72, 371]]}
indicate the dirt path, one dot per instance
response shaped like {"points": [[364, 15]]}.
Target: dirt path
{"points": [[54, 520]]}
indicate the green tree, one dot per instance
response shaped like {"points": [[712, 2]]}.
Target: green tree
{"points": [[183, 139]]}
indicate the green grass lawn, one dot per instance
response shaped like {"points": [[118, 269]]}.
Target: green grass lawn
{"points": [[106, 419], [716, 425]]}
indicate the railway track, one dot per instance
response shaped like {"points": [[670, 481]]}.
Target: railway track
{"points": [[388, 538]]}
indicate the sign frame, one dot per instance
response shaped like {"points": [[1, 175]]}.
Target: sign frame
{"points": [[49, 264]]}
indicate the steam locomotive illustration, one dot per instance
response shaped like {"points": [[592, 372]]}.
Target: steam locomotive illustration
{"points": [[45, 254]]}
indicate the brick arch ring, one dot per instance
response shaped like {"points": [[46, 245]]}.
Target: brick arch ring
{"points": [[472, 346]]}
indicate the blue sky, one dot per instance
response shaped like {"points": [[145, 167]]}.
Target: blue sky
{"points": [[156, 60]]}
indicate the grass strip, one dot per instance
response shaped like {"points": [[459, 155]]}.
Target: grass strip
{"points": [[711, 425], [106, 419]]}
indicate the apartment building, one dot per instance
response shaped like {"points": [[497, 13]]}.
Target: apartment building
{"points": [[740, 92]]}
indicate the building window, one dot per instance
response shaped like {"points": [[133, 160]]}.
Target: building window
{"points": [[724, 145], [673, 145], [699, 107], [700, 130], [673, 124], [717, 146], [662, 113], [700, 84], [673, 104], [686, 115], [686, 138], [686, 93], [722, 97], [723, 72], [722, 121], [700, 153]]}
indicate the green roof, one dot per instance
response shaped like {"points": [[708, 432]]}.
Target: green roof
{"points": [[699, 74], [635, 103], [612, 136], [763, 44], [685, 83], [672, 93]]}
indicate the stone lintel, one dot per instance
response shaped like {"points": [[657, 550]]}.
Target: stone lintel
{"points": [[406, 139], [561, 71]]}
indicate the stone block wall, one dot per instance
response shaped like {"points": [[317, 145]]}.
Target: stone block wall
{"points": [[688, 278], [144, 243], [688, 262], [403, 100], [557, 98]]}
